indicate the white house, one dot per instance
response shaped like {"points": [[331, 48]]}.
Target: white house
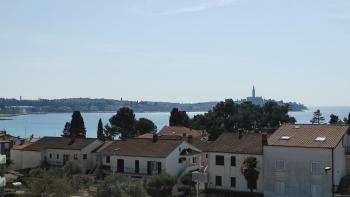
{"points": [[56, 151], [305, 160], [225, 157], [140, 157]]}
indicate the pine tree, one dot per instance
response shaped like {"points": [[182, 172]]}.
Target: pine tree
{"points": [[334, 119], [66, 130], [77, 126], [318, 118], [100, 134]]}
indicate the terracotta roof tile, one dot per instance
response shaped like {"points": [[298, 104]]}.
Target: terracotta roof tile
{"points": [[59, 143], [141, 147], [250, 143], [304, 135], [177, 130]]}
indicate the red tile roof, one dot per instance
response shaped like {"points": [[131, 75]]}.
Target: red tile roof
{"points": [[139, 147], [248, 143], [304, 135], [59, 143], [178, 130]]}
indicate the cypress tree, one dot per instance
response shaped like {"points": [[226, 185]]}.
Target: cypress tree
{"points": [[77, 126], [100, 134]]}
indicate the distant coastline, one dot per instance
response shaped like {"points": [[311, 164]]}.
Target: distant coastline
{"points": [[14, 107]]}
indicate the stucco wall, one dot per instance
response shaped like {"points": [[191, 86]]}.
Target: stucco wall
{"points": [[31, 159], [227, 171], [16, 157], [297, 175]]}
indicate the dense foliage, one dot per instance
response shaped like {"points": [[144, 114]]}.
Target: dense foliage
{"points": [[334, 119], [76, 127], [161, 185], [120, 187], [100, 130], [178, 118], [125, 124], [248, 169], [144, 125], [53, 182], [227, 116]]}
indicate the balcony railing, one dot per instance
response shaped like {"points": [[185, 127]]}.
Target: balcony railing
{"points": [[132, 171]]}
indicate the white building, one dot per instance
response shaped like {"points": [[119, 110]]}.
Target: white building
{"points": [[140, 157], [56, 151], [225, 157], [305, 160]]}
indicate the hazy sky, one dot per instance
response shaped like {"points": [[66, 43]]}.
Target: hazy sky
{"points": [[179, 50]]}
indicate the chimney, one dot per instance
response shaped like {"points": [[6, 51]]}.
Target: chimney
{"points": [[189, 139], [72, 140], [155, 138], [184, 134], [264, 139]]}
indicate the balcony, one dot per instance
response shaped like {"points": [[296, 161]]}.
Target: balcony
{"points": [[133, 172]]}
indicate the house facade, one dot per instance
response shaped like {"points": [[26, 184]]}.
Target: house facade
{"points": [[225, 157], [140, 157], [56, 151], [305, 160]]}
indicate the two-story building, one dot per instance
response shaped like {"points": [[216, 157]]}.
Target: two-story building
{"points": [[225, 157], [305, 160], [56, 151], [140, 157]]}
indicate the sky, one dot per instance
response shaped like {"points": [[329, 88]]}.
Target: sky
{"points": [[181, 51]]}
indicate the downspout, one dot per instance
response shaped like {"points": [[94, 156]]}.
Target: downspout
{"points": [[332, 172]]}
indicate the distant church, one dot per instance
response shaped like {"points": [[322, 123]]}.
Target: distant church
{"points": [[254, 99]]}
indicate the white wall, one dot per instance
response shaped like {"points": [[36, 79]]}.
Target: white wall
{"points": [[16, 157], [297, 175], [173, 166], [227, 171], [31, 159]]}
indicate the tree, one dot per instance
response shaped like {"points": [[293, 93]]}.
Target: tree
{"points": [[334, 119], [187, 185], [160, 185], [71, 168], [100, 130], [317, 118], [144, 125], [66, 130], [347, 120], [248, 169], [77, 126], [124, 121], [178, 118], [110, 132], [120, 187], [228, 116]]}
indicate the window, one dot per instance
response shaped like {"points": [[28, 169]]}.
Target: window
{"points": [[206, 155], [57, 156], [194, 159], [316, 168], [50, 156], [233, 161], [233, 181], [84, 156], [316, 190], [280, 165], [218, 181], [75, 156], [279, 188], [220, 160], [108, 159]]}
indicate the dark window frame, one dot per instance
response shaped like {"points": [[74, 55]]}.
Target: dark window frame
{"points": [[218, 180], [84, 156], [220, 160], [233, 181], [233, 161]]}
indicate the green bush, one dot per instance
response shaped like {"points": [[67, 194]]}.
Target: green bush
{"points": [[120, 187], [161, 185]]}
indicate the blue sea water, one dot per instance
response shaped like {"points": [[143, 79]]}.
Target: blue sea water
{"points": [[52, 124]]}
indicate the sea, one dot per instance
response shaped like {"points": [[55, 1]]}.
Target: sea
{"points": [[52, 124]]}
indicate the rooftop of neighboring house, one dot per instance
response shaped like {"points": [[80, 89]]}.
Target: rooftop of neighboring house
{"points": [[308, 135], [141, 147], [26, 142], [179, 130], [246, 143], [59, 143]]}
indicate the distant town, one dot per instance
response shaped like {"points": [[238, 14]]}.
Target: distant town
{"points": [[23, 106]]}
